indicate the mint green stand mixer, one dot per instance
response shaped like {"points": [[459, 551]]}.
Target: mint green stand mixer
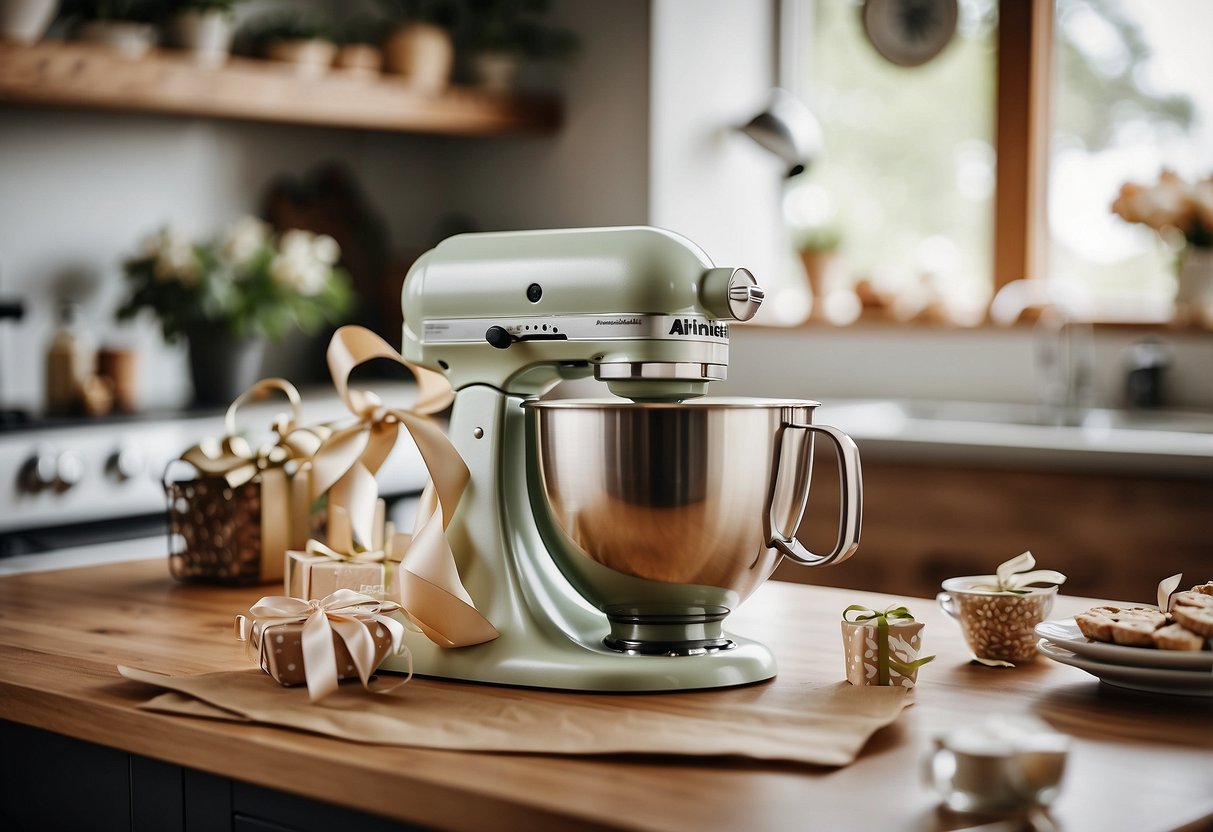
{"points": [[606, 540]]}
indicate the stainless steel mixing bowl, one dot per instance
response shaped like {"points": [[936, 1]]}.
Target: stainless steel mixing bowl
{"points": [[677, 512]]}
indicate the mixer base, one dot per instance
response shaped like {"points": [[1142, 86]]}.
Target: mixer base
{"points": [[589, 667]]}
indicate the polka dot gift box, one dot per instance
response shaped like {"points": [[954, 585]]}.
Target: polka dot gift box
{"points": [[344, 635]]}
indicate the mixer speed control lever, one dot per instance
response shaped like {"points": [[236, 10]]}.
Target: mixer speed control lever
{"points": [[503, 339]]}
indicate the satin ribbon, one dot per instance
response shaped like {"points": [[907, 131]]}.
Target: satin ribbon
{"points": [[346, 613], [432, 593], [235, 460], [884, 657], [1015, 576]]}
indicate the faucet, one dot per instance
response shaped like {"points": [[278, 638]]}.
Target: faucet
{"points": [[1063, 346], [1065, 366]]}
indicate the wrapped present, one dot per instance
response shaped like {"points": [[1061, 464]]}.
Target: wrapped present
{"points": [[318, 643], [321, 569], [882, 646], [233, 518]]}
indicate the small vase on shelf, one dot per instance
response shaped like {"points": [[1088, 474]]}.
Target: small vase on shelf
{"points": [[1194, 295]]}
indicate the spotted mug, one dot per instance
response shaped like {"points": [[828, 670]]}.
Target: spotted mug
{"points": [[997, 625]]}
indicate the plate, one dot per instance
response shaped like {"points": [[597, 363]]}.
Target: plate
{"points": [[1149, 679], [1065, 633]]}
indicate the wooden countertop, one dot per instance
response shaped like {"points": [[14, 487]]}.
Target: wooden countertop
{"points": [[1138, 761]]}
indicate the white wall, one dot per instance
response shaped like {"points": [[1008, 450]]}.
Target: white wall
{"points": [[711, 72], [80, 190], [596, 170]]}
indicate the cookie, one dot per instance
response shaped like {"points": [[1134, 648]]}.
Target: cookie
{"points": [[1194, 610], [1135, 632], [1177, 637], [1203, 589], [1099, 623]]}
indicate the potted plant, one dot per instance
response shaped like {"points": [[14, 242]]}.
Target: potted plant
{"points": [[1182, 211], [25, 21], [228, 296], [126, 26], [296, 40], [358, 53], [418, 45], [501, 34], [203, 28]]}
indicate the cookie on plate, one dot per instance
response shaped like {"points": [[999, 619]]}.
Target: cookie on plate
{"points": [[1099, 623], [1194, 610], [1177, 637]]}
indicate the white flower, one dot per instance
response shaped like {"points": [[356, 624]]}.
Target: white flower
{"points": [[303, 261], [245, 240], [174, 257], [325, 249]]}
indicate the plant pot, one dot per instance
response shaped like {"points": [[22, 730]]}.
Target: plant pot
{"points": [[423, 54], [127, 38], [1194, 295], [25, 21], [206, 34], [496, 72], [222, 366], [310, 58], [359, 60]]}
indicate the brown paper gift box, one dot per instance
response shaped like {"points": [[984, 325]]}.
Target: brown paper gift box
{"points": [[859, 641], [313, 577], [282, 656]]}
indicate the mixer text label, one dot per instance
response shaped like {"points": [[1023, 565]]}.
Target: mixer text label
{"points": [[689, 326]]}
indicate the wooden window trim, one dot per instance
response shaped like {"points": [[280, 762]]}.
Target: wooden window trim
{"points": [[1025, 59]]}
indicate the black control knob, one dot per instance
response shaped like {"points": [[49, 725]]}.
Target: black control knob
{"points": [[499, 337]]}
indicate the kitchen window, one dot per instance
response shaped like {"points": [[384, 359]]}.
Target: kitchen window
{"points": [[998, 159]]}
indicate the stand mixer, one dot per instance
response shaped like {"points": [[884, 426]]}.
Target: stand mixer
{"points": [[607, 540]]}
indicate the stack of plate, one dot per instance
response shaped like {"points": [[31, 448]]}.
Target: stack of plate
{"points": [[1137, 668]]}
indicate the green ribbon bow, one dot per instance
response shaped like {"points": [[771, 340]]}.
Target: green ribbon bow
{"points": [[884, 657]]}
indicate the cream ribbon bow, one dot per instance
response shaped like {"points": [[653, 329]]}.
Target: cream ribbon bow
{"points": [[234, 459], [1016, 575], [346, 613], [432, 593]]}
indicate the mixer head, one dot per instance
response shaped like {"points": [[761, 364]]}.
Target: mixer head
{"points": [[641, 309]]}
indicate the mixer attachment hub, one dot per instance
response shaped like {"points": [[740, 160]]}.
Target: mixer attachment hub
{"points": [[675, 634]]}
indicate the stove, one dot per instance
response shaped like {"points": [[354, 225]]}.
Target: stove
{"points": [[74, 483]]}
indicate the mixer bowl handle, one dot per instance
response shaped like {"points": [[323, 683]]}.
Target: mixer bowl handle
{"points": [[850, 485]]}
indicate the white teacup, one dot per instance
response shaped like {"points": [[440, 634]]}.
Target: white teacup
{"points": [[1001, 765], [998, 625]]}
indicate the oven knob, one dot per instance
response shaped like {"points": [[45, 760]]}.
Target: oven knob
{"points": [[69, 469], [40, 470], [126, 462]]}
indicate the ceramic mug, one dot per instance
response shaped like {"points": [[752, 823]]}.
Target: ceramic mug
{"points": [[997, 625], [995, 767]]}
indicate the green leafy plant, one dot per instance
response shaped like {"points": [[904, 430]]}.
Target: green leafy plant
{"points": [[818, 238], [137, 11], [284, 26], [251, 282], [444, 13], [517, 27]]}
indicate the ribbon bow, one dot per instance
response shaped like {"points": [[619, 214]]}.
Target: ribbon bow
{"points": [[884, 657], [346, 613], [234, 458], [431, 591], [1015, 576]]}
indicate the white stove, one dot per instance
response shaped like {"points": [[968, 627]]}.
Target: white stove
{"points": [[81, 491]]}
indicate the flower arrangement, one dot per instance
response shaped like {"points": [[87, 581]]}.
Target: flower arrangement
{"points": [[251, 281], [1171, 203]]}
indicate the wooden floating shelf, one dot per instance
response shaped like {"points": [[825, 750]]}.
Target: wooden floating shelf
{"points": [[66, 74]]}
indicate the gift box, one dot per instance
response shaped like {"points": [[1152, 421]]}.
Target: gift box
{"points": [[319, 643], [344, 563], [234, 512], [882, 646]]}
